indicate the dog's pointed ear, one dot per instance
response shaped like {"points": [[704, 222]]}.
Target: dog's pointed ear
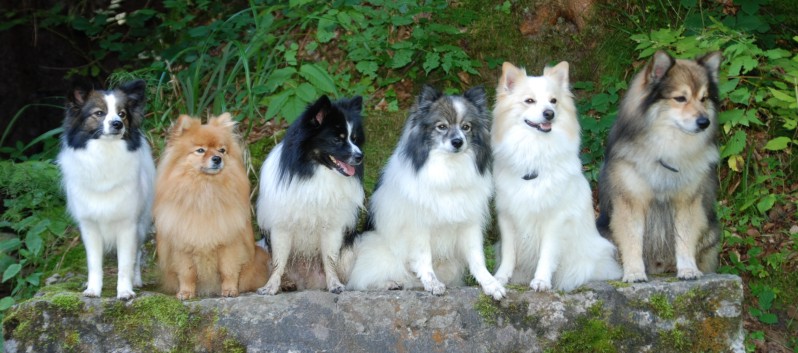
{"points": [[79, 92], [658, 67], [136, 93], [224, 120], [428, 95], [356, 104], [135, 90], [316, 113], [711, 62], [183, 124], [558, 73], [478, 97], [510, 76]]}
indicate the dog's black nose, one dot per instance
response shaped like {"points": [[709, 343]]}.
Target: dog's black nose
{"points": [[457, 142], [117, 125], [216, 159], [548, 114], [357, 158], [702, 122]]}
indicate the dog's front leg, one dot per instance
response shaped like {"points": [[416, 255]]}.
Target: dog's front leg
{"points": [[421, 264], [690, 222], [471, 250], [627, 221], [331, 249], [549, 255], [126, 253], [183, 264], [227, 261], [281, 242], [93, 242], [508, 244]]}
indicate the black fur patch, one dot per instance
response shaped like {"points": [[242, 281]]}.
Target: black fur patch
{"points": [[320, 132], [431, 106], [80, 123]]}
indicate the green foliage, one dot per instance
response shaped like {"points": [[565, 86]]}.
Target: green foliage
{"points": [[34, 222]]}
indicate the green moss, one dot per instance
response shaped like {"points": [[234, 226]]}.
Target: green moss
{"points": [[674, 339], [511, 312], [619, 284], [149, 316], [662, 306], [72, 342], [488, 309], [591, 333], [68, 302], [233, 346]]}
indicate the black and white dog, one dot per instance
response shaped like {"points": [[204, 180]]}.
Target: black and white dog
{"points": [[311, 193], [431, 203], [108, 174]]}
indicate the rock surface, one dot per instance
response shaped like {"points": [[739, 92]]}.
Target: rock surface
{"points": [[663, 315]]}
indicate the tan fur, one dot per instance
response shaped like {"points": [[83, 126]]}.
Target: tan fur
{"points": [[204, 235], [659, 182]]}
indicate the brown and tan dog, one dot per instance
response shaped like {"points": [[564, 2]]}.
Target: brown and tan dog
{"points": [[202, 213]]}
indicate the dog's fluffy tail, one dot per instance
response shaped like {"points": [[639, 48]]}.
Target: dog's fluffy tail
{"points": [[374, 266], [593, 258]]}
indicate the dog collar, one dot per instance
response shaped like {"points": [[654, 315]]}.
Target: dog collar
{"points": [[668, 167], [530, 176]]}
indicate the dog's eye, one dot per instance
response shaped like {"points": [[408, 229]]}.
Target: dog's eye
{"points": [[200, 150], [222, 150], [99, 113], [122, 114], [466, 127], [553, 101], [680, 99], [529, 101], [441, 127], [703, 99]]}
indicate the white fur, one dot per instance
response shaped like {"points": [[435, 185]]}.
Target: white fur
{"points": [[109, 192], [548, 233], [306, 218], [429, 226]]}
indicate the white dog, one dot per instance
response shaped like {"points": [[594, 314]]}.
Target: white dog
{"points": [[544, 203]]}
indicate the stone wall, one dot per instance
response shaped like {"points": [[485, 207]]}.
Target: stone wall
{"points": [[664, 315]]}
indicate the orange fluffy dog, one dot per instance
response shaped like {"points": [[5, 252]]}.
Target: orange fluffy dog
{"points": [[202, 213]]}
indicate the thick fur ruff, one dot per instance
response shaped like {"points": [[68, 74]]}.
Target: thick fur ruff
{"points": [[658, 185], [202, 213], [430, 207], [108, 175], [311, 194], [545, 243]]}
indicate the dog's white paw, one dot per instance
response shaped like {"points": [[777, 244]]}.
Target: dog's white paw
{"points": [[393, 285], [689, 273], [540, 285], [494, 289], [435, 287], [92, 293], [336, 288], [125, 294], [269, 289], [502, 280], [635, 277]]}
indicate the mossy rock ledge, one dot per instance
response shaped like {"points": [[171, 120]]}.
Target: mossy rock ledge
{"points": [[663, 315]]}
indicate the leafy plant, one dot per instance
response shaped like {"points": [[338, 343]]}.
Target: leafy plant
{"points": [[34, 221]]}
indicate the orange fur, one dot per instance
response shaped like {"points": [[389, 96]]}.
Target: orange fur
{"points": [[202, 213]]}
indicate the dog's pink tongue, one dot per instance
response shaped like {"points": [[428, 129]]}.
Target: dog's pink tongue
{"points": [[545, 126], [348, 169]]}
